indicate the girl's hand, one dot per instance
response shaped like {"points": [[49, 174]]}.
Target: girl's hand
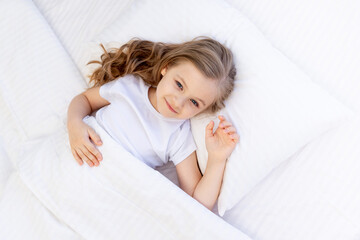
{"points": [[221, 143], [82, 138]]}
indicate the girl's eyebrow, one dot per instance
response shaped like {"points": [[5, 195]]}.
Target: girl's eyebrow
{"points": [[187, 87]]}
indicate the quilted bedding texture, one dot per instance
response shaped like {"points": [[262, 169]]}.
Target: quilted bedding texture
{"points": [[312, 195]]}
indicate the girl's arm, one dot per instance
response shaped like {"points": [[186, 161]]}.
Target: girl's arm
{"points": [[219, 145], [82, 136], [204, 189]]}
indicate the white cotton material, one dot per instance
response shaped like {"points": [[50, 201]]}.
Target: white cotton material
{"points": [[275, 107], [133, 122], [312, 195], [122, 198]]}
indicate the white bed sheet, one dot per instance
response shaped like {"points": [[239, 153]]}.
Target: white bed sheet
{"points": [[313, 195], [91, 18], [6, 166], [9, 137]]}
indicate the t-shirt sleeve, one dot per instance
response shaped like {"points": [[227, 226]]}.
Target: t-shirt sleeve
{"points": [[110, 91], [181, 144]]}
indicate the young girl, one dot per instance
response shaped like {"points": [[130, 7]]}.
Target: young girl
{"points": [[145, 93]]}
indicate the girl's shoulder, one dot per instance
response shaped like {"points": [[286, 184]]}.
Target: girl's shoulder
{"points": [[129, 86], [129, 78], [127, 82]]}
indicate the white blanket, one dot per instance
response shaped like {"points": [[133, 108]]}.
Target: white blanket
{"points": [[121, 199]]}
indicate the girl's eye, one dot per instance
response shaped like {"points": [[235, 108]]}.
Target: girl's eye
{"points": [[179, 85], [194, 102]]}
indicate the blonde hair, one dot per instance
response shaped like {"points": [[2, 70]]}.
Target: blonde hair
{"points": [[146, 59]]}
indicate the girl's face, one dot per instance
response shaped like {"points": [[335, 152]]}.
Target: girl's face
{"points": [[182, 92]]}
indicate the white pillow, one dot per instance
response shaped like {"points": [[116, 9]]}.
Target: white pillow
{"points": [[38, 78], [275, 107], [318, 36]]}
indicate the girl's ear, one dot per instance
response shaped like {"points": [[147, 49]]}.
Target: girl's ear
{"points": [[163, 71]]}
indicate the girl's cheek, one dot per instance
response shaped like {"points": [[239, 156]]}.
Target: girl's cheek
{"points": [[187, 112], [196, 111]]}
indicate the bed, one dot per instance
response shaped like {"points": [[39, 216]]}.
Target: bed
{"points": [[294, 174]]}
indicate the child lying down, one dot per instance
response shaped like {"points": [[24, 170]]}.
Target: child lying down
{"points": [[144, 94]]}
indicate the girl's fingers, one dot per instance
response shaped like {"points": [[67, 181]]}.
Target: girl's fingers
{"points": [[77, 158], [94, 151], [230, 130], [224, 124], [209, 129], [235, 136], [94, 137], [90, 156], [221, 117], [84, 157]]}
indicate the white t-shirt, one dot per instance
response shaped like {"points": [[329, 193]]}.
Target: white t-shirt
{"points": [[134, 123]]}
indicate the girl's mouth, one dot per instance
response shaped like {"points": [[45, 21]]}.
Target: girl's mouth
{"points": [[169, 106]]}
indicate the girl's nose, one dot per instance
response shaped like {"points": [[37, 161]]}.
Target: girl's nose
{"points": [[179, 102]]}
